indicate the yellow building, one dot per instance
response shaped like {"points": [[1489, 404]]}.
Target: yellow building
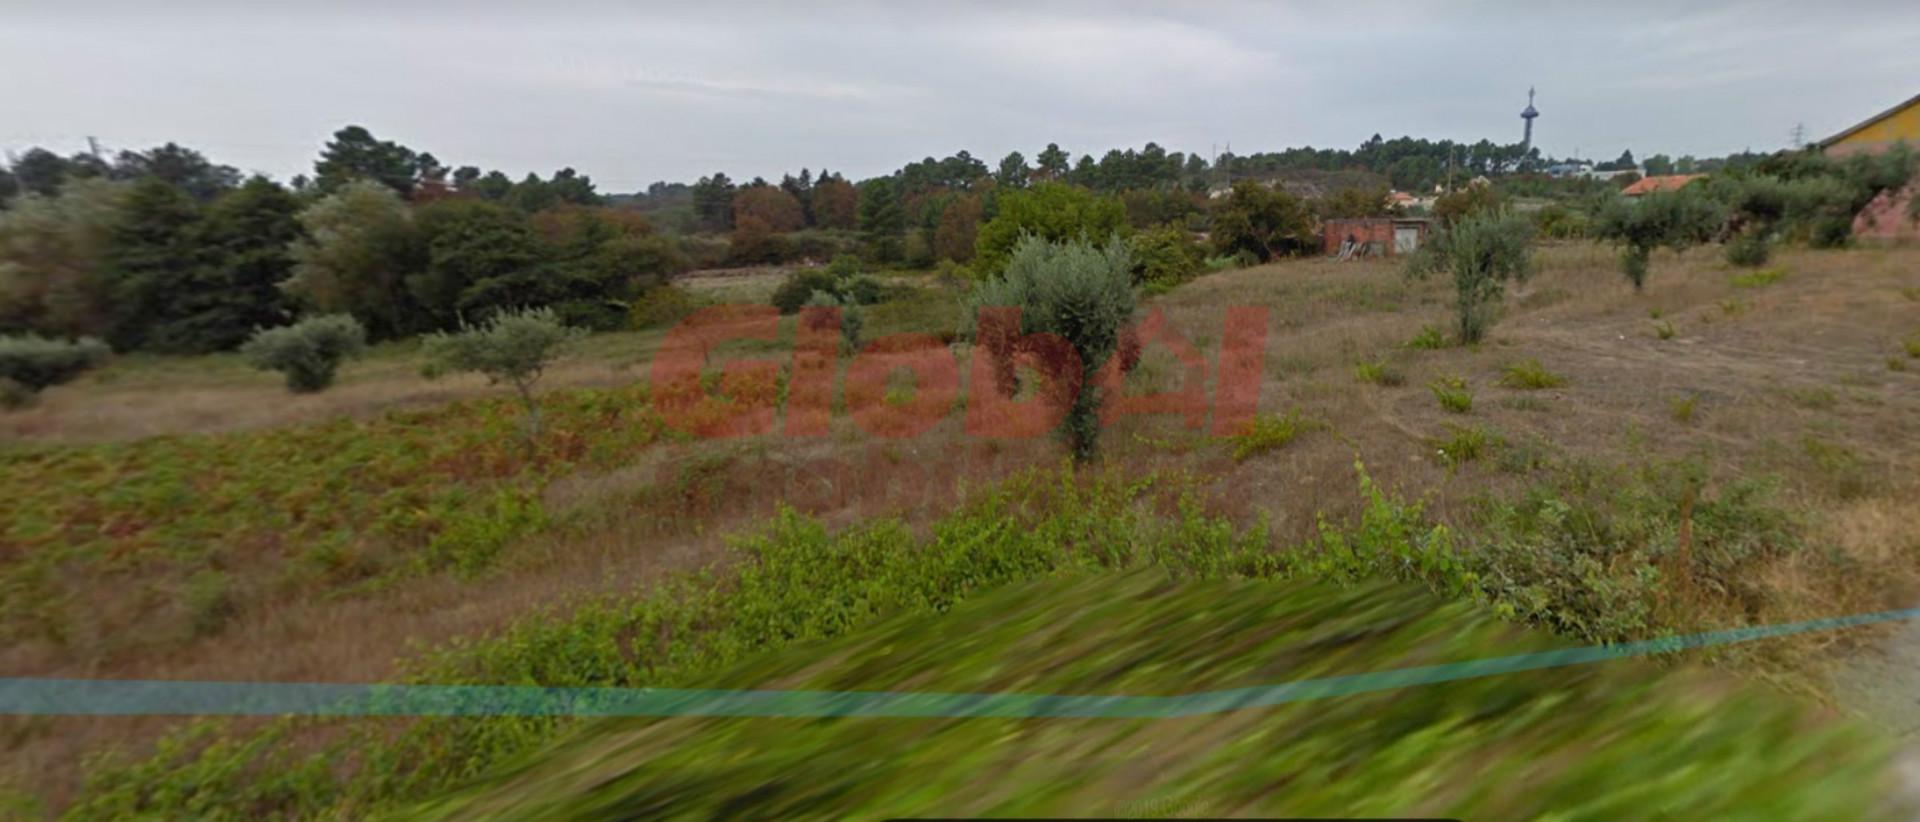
{"points": [[1879, 132], [1886, 217]]}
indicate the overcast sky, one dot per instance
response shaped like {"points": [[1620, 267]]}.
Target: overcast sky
{"points": [[631, 92]]}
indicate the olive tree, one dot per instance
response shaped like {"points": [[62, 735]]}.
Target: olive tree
{"points": [[1674, 219], [1076, 290], [30, 363], [1482, 250], [512, 347], [307, 353]]}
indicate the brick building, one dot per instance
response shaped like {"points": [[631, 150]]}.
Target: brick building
{"points": [[1374, 236]]}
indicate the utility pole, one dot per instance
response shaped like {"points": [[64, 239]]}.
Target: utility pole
{"points": [[1799, 135], [93, 147]]}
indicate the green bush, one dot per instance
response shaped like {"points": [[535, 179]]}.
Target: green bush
{"points": [[1454, 206], [662, 306], [1054, 212], [799, 287], [841, 279], [308, 352], [30, 363], [1453, 394], [852, 319], [1166, 257], [1430, 338], [512, 347], [1750, 249], [1464, 444], [1482, 251], [1079, 291]]}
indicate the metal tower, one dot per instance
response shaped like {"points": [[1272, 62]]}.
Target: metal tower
{"points": [[1526, 140]]}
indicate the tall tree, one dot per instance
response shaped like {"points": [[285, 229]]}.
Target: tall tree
{"points": [[882, 218], [1052, 162], [190, 170], [246, 238], [835, 203], [152, 268], [713, 202], [355, 154], [52, 260], [1013, 171], [360, 244], [774, 207], [40, 171]]}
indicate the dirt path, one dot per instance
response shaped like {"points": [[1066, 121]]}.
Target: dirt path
{"points": [[1882, 685]]}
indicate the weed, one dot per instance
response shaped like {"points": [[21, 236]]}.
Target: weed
{"points": [[1530, 375], [1379, 372], [1734, 308], [1896, 364], [1681, 408], [1819, 397], [209, 602], [1664, 329], [1430, 338], [1912, 345], [1759, 279], [1267, 432], [1655, 313], [1464, 444], [1453, 394], [1911, 293], [1841, 470]]}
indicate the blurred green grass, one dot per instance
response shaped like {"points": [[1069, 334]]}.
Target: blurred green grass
{"points": [[1618, 740]]}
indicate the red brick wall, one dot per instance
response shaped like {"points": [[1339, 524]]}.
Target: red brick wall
{"points": [[1335, 232], [1364, 231]]}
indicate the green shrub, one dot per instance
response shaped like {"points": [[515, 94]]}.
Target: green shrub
{"points": [[1077, 290], [1457, 205], [1482, 251], [1453, 394], [852, 319], [1750, 249], [1681, 408], [1379, 372], [1912, 345], [799, 287], [1166, 257], [512, 347], [31, 363], [1530, 375], [1430, 338], [1664, 329], [1266, 432], [1055, 212], [1464, 444], [307, 353], [662, 306], [1896, 364]]}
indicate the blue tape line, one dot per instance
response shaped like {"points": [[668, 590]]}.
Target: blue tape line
{"points": [[104, 697]]}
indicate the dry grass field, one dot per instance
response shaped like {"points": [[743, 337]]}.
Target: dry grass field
{"points": [[1803, 378]]}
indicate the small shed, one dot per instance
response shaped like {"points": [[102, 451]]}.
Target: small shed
{"points": [[1374, 236]]}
